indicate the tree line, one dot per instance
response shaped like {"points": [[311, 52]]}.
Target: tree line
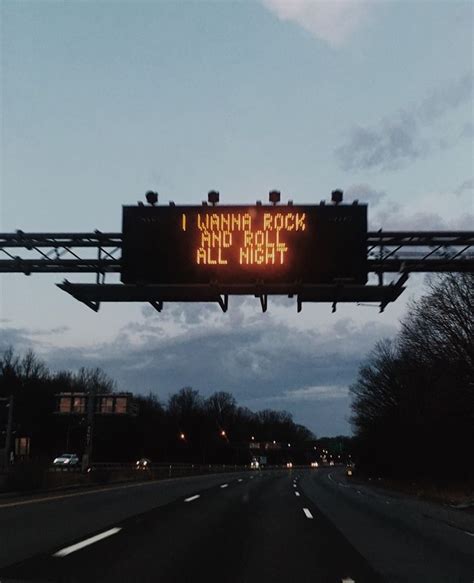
{"points": [[413, 400], [188, 427]]}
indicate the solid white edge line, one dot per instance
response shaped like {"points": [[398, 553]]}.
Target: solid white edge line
{"points": [[191, 498], [83, 493], [307, 513], [88, 541], [224, 485], [469, 533]]}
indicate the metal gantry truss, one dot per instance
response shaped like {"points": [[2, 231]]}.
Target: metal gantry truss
{"points": [[400, 252], [95, 252]]}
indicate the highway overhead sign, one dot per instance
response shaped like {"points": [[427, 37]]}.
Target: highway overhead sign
{"points": [[244, 244]]}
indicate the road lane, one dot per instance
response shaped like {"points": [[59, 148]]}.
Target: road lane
{"points": [[259, 527], [33, 528], [254, 530], [405, 539]]}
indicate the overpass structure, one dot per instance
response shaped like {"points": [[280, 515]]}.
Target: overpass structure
{"points": [[98, 253]]}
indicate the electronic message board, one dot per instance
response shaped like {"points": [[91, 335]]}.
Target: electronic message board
{"points": [[244, 244]]}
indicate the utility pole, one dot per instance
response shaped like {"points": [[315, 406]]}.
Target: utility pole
{"points": [[8, 438], [87, 457]]}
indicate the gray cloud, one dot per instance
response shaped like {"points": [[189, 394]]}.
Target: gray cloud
{"points": [[306, 404], [332, 22], [263, 363], [445, 98], [397, 140], [306, 394], [24, 339], [364, 193], [396, 217], [19, 338], [465, 186]]}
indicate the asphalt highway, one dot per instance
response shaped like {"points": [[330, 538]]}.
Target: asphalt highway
{"points": [[276, 526]]}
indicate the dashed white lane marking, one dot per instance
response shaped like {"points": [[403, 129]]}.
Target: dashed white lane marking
{"points": [[224, 485], [307, 513], [297, 493], [294, 486], [347, 580], [469, 533], [239, 480], [359, 492], [87, 542], [251, 477], [191, 498]]}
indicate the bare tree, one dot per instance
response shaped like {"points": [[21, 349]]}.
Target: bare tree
{"points": [[413, 401]]}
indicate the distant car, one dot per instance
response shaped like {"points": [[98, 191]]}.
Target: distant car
{"points": [[314, 465], [66, 459], [331, 463], [254, 465], [289, 465], [142, 464], [350, 470]]}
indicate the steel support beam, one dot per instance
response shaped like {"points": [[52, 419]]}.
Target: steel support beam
{"points": [[93, 294], [401, 252], [387, 252]]}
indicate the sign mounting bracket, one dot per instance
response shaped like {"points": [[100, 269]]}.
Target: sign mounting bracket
{"points": [[157, 305], [223, 302]]}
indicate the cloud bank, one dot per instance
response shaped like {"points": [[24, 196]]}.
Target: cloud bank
{"points": [[333, 22], [364, 193], [261, 361], [398, 139]]}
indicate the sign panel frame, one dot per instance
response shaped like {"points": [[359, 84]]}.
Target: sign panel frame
{"points": [[230, 244]]}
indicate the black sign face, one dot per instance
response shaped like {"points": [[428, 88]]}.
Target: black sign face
{"points": [[244, 244]]}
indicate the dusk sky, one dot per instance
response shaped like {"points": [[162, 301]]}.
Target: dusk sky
{"points": [[104, 100]]}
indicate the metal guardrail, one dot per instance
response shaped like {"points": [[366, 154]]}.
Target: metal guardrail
{"points": [[175, 468], [131, 466]]}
